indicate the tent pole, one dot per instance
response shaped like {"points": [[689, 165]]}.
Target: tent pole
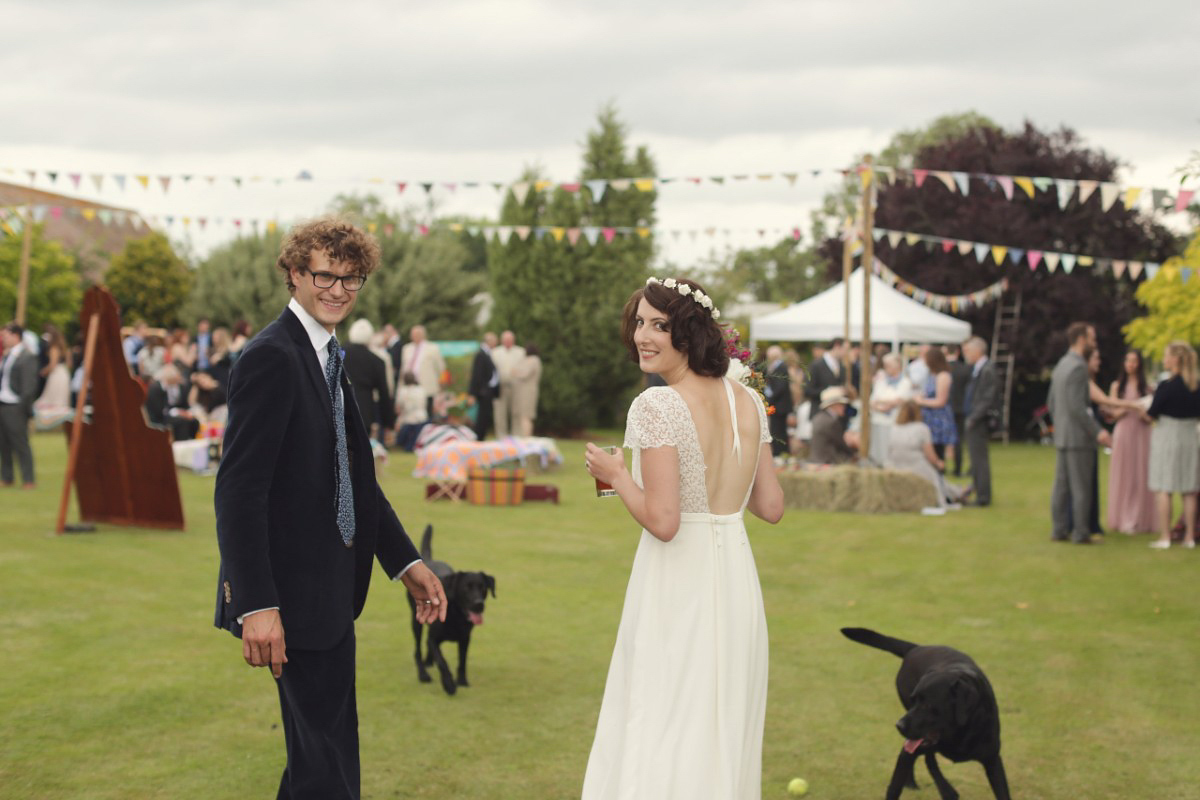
{"points": [[868, 265]]}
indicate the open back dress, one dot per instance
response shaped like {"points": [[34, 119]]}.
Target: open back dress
{"points": [[683, 709]]}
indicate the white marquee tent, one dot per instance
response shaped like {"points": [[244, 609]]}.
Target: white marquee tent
{"points": [[895, 318]]}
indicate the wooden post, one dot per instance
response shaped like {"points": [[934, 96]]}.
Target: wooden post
{"points": [[868, 266], [23, 280], [847, 263], [89, 354]]}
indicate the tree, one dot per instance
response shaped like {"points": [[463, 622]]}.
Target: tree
{"points": [[568, 299], [1172, 305], [1049, 301], [149, 281], [54, 292], [239, 281]]}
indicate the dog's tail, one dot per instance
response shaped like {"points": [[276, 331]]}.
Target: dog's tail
{"points": [[427, 543], [873, 639]]}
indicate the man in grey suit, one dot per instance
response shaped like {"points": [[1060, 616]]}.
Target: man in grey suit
{"points": [[981, 399], [18, 390], [1076, 434]]}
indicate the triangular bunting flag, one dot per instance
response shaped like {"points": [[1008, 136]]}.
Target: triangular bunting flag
{"points": [[964, 247], [1035, 258], [947, 245], [893, 238], [557, 232], [1006, 184], [1131, 197], [238, 183], [981, 251], [609, 234], [522, 231], [165, 182], [740, 177], [964, 182], [451, 186], [98, 181], [1068, 262], [865, 174], [89, 214], [591, 233], [877, 233], [1108, 195], [541, 186], [75, 176], [1152, 270], [1183, 199], [1118, 268], [643, 232], [105, 216], [620, 184], [1065, 189], [1159, 198], [919, 176], [53, 176], [912, 238], [520, 192], [998, 253], [1086, 189], [596, 188], [400, 187], [570, 187], [1043, 184], [504, 233], [1085, 261], [1015, 255], [1025, 183], [427, 186], [1135, 269], [644, 184], [947, 179], [790, 177], [144, 180], [1052, 260], [573, 236]]}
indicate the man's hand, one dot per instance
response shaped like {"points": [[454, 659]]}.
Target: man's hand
{"points": [[1105, 439], [262, 641], [427, 590]]}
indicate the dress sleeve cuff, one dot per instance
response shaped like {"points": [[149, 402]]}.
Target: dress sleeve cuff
{"points": [[401, 573]]}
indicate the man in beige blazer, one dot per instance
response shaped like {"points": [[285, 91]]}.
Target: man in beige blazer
{"points": [[423, 359], [506, 357]]}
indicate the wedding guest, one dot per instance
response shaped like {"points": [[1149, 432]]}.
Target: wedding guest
{"points": [[960, 376], [1131, 504], [779, 394], [56, 392], [206, 399], [505, 357], [1174, 444], [203, 343], [412, 412], [181, 351], [18, 391], [423, 358], [152, 356], [242, 331], [527, 376], [831, 442], [891, 389], [219, 361], [910, 448], [167, 404], [935, 404], [368, 377], [133, 344]]}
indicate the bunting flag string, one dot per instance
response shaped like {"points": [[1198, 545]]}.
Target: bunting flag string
{"points": [[1151, 198], [1007, 254], [941, 302]]}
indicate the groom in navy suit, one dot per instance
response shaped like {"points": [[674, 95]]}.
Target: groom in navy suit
{"points": [[300, 518]]}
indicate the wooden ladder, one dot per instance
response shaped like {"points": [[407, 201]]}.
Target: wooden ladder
{"points": [[1004, 336]]}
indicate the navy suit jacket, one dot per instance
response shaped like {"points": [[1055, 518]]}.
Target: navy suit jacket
{"points": [[275, 497]]}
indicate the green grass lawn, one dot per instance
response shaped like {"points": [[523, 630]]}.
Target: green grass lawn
{"points": [[114, 684]]}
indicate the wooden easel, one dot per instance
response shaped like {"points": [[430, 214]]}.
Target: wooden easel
{"points": [[123, 470]]}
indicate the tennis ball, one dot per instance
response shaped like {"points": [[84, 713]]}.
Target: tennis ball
{"points": [[797, 787]]}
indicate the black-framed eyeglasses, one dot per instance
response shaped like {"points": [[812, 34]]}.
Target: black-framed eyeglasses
{"points": [[325, 280]]}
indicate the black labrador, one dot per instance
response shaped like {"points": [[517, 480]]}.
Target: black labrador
{"points": [[465, 593], [951, 710]]}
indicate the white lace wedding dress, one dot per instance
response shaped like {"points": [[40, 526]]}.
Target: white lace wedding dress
{"points": [[683, 709]]}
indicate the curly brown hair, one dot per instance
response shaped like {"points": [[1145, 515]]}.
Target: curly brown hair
{"points": [[692, 327], [340, 240]]}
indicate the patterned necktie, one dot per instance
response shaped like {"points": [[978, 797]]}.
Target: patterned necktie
{"points": [[345, 491]]}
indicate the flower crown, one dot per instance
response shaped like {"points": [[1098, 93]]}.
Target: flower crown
{"points": [[685, 290]]}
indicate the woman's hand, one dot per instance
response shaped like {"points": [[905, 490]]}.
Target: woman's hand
{"points": [[602, 465]]}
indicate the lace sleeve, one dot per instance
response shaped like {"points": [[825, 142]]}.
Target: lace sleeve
{"points": [[649, 421]]}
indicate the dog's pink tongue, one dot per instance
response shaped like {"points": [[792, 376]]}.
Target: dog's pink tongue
{"points": [[911, 745], [476, 619]]}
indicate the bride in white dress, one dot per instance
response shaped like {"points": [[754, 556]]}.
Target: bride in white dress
{"points": [[683, 709]]}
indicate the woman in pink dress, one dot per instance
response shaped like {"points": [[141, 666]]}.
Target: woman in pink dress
{"points": [[1130, 501]]}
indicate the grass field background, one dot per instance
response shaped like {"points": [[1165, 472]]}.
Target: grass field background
{"points": [[114, 684]]}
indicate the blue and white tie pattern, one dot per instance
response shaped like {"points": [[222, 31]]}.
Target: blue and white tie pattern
{"points": [[345, 491]]}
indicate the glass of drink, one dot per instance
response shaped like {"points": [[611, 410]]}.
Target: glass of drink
{"points": [[603, 489]]}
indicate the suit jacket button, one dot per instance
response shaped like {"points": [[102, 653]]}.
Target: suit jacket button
{"points": [[228, 593]]}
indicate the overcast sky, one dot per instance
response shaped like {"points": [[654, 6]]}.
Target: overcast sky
{"points": [[458, 91]]}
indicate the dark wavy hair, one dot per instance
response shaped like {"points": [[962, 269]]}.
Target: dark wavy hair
{"points": [[1142, 387], [692, 327], [340, 240]]}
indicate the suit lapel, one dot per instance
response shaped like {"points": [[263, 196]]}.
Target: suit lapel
{"points": [[308, 357]]}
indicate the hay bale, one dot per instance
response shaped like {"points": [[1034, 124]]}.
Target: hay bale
{"points": [[863, 490]]}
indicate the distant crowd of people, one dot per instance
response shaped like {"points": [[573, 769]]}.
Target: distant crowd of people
{"points": [[924, 413], [1154, 440]]}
